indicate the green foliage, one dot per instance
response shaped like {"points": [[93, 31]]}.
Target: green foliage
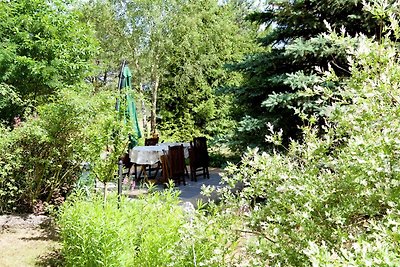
{"points": [[9, 187], [108, 142], [332, 200], [205, 37], [178, 51], [186, 126], [95, 234], [41, 158], [149, 231], [8, 99], [110, 32], [43, 48], [294, 45]]}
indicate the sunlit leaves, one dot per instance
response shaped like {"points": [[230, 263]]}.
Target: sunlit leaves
{"points": [[295, 47], [332, 199], [44, 48]]}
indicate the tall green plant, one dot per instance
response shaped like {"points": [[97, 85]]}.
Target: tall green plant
{"points": [[95, 234], [152, 230], [206, 37], [294, 46], [113, 143], [178, 51]]}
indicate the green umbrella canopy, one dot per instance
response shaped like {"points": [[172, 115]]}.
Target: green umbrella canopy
{"points": [[128, 101]]}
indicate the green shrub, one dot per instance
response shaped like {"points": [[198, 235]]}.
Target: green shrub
{"points": [[220, 159], [150, 231], [41, 159], [10, 162], [332, 200], [143, 230]]}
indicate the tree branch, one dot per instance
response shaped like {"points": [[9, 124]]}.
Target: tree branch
{"points": [[256, 233]]}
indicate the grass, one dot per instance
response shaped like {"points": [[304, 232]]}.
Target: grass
{"points": [[28, 245]]}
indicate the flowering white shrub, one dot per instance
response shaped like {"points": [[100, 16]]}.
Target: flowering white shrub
{"points": [[333, 198]]}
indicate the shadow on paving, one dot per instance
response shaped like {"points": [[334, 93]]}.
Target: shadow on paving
{"points": [[50, 259], [191, 192]]}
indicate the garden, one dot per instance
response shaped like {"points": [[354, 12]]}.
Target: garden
{"points": [[299, 102]]}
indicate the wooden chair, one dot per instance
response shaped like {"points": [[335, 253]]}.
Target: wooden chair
{"points": [[151, 169], [176, 164], [126, 165], [128, 171], [165, 169], [198, 158], [151, 141]]}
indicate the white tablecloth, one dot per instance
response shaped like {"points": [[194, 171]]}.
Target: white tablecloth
{"points": [[148, 155]]}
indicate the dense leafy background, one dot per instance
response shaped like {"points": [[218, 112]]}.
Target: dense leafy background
{"points": [[329, 196], [177, 51], [293, 45], [43, 48], [98, 234], [333, 198]]}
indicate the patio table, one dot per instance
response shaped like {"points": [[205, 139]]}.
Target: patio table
{"points": [[149, 155]]}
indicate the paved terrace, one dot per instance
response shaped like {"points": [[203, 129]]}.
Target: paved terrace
{"points": [[191, 192]]}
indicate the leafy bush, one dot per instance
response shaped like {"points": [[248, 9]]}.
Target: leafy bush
{"points": [[221, 155], [41, 158], [95, 234], [332, 199], [149, 231], [9, 101]]}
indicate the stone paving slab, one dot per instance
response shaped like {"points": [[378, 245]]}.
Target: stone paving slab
{"points": [[191, 192]]}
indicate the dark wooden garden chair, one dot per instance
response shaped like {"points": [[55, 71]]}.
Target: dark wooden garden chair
{"points": [[151, 141], [198, 158], [152, 170], [126, 165], [177, 170]]}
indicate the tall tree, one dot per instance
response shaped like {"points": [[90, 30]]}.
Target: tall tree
{"points": [[136, 31], [43, 48], [110, 31], [294, 44], [206, 36], [178, 50], [149, 21]]}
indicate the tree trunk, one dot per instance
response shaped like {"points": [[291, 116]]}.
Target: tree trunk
{"points": [[143, 104], [154, 104], [105, 78], [155, 79], [105, 193], [144, 112]]}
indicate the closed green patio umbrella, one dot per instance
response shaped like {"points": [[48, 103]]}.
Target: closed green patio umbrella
{"points": [[126, 107], [128, 104]]}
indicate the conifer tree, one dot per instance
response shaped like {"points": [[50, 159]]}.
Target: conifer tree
{"points": [[294, 44]]}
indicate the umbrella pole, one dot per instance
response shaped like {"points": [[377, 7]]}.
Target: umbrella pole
{"points": [[117, 104], [119, 181]]}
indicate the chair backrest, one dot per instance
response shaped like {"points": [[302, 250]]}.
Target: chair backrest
{"points": [[200, 151], [151, 141], [165, 168], [126, 161], [176, 160]]}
